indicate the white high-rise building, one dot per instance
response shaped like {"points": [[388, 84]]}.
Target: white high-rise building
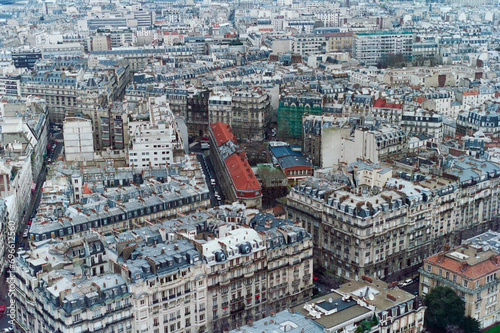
{"points": [[78, 140], [153, 142]]}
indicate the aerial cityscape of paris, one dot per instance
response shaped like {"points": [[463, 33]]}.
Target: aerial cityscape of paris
{"points": [[249, 166]]}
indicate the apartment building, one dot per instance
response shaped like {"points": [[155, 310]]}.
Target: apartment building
{"points": [[440, 102], [57, 88], [166, 275], [154, 142], [361, 231], [10, 82], [236, 178], [78, 139], [220, 108], [424, 122], [371, 47], [199, 272], [395, 308], [313, 127], [48, 298], [390, 111], [139, 57], [486, 121], [101, 43], [372, 145], [308, 44], [197, 112], [251, 113], [475, 98], [253, 272], [4, 240], [180, 188], [64, 50], [26, 58], [23, 138], [471, 270], [339, 41], [330, 18], [176, 98]]}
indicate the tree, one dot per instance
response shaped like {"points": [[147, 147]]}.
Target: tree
{"points": [[364, 326], [470, 325], [444, 308]]}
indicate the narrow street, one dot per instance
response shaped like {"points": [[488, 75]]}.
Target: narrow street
{"points": [[23, 242]]}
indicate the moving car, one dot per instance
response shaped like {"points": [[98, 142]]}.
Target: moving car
{"points": [[2, 310]]}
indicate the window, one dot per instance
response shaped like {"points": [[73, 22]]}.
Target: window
{"points": [[466, 283]]}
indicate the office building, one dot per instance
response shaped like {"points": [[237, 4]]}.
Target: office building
{"points": [[370, 48]]}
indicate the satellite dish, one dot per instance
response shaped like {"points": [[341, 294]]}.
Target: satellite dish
{"points": [[371, 297]]}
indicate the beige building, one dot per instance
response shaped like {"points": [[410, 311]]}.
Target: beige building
{"points": [[252, 273], [101, 43], [251, 113], [339, 41], [472, 271]]}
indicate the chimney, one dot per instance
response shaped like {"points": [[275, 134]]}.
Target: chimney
{"points": [[446, 247], [494, 259], [463, 266], [440, 256], [367, 279]]}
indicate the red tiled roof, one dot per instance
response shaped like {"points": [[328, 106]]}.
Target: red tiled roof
{"points": [[382, 103], [420, 100], [379, 102], [222, 133], [497, 93], [243, 177], [472, 272], [472, 92]]}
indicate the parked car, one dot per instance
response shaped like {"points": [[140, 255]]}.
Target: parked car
{"points": [[406, 282], [2, 310]]}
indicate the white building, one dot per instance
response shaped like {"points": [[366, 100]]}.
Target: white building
{"points": [[371, 47], [78, 139], [419, 121], [365, 144], [220, 108], [153, 142]]}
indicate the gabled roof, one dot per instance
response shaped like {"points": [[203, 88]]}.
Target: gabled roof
{"points": [[243, 177], [222, 133]]}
